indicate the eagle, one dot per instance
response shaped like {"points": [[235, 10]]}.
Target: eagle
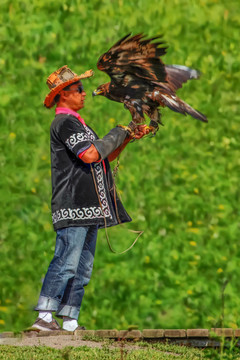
{"points": [[142, 82]]}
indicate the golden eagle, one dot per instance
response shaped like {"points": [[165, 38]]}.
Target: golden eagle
{"points": [[142, 82]]}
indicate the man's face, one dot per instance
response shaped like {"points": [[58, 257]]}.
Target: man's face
{"points": [[75, 96]]}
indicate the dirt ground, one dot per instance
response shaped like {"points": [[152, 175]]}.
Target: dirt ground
{"points": [[57, 342], [61, 341]]}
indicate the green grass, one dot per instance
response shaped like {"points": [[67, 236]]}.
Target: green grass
{"points": [[70, 353], [121, 351], [181, 187]]}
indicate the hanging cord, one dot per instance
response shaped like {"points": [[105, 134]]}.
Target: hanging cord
{"points": [[105, 221], [116, 168]]}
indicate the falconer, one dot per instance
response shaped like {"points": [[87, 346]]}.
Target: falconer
{"points": [[83, 198]]}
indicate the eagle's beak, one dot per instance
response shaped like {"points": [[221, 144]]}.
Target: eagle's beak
{"points": [[97, 92]]}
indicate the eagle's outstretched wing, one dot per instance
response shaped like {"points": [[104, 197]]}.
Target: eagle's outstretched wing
{"points": [[141, 81], [136, 57]]}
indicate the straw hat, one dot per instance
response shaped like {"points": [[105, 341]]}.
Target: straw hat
{"points": [[59, 79]]}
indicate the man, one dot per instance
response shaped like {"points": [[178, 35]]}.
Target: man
{"points": [[83, 198]]}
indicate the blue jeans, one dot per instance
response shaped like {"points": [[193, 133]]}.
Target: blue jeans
{"points": [[69, 271]]}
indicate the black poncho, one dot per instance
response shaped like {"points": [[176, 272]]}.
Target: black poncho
{"points": [[74, 198]]}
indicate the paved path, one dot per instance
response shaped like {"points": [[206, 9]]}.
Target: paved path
{"points": [[59, 339]]}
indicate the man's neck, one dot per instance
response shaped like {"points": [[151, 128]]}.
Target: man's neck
{"points": [[65, 104], [65, 110]]}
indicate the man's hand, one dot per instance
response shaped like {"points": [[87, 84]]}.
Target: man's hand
{"points": [[140, 131]]}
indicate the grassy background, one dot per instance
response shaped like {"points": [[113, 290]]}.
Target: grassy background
{"points": [[108, 352], [181, 187]]}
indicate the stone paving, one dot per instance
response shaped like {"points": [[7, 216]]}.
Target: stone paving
{"points": [[192, 337]]}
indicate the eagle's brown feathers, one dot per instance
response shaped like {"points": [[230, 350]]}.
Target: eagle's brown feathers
{"points": [[141, 81], [133, 55]]}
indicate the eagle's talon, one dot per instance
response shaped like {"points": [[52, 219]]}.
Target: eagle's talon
{"points": [[152, 129]]}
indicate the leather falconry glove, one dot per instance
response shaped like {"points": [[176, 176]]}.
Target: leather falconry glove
{"points": [[111, 141]]}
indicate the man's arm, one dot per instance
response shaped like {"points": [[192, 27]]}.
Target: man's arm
{"points": [[140, 131], [117, 152], [100, 149], [92, 155]]}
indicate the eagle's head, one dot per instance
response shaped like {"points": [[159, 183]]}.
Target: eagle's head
{"points": [[101, 90]]}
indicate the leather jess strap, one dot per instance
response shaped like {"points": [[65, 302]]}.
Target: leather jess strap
{"points": [[105, 221]]}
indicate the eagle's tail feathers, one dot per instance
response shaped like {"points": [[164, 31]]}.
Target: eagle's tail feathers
{"points": [[178, 105], [194, 113]]}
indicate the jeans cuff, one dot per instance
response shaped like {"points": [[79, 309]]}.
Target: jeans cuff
{"points": [[45, 303], [67, 310]]}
